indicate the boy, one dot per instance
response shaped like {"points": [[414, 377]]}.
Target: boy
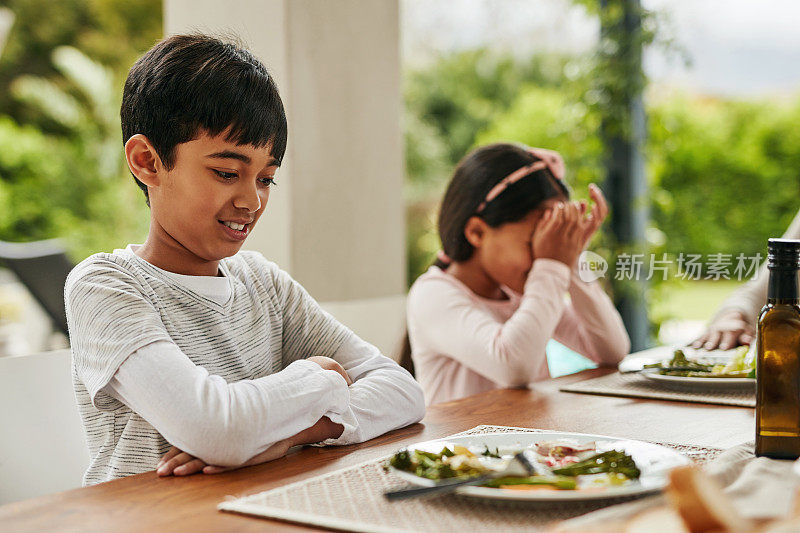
{"points": [[187, 342]]}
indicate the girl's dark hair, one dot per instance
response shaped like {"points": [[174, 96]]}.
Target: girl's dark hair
{"points": [[189, 84], [474, 177]]}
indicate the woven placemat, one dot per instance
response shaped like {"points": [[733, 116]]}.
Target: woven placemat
{"points": [[352, 499], [636, 386]]}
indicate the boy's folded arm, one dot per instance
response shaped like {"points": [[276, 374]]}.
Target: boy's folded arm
{"points": [[383, 396], [510, 353], [224, 423]]}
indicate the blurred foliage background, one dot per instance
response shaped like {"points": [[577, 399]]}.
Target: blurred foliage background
{"points": [[62, 170], [724, 173]]}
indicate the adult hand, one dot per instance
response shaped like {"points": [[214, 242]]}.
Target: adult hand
{"points": [[727, 330], [331, 364]]}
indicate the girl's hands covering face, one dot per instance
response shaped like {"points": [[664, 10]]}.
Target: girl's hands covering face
{"points": [[565, 230]]}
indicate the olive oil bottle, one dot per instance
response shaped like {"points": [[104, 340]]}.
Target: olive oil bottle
{"points": [[778, 349]]}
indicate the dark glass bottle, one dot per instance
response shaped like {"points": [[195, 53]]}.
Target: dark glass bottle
{"points": [[778, 349]]}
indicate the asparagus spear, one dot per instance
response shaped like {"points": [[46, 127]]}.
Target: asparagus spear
{"points": [[612, 461]]}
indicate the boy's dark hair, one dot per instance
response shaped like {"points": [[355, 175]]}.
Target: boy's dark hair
{"points": [[191, 84], [474, 177]]}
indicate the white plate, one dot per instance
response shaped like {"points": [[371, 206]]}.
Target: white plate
{"points": [[653, 461], [636, 361], [698, 382]]}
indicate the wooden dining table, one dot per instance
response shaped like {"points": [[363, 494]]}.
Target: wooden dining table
{"points": [[146, 502]]}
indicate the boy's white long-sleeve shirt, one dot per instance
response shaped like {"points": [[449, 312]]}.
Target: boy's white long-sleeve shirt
{"points": [[215, 366], [463, 344], [228, 423]]}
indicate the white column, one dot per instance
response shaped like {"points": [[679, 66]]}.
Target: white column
{"points": [[335, 222]]}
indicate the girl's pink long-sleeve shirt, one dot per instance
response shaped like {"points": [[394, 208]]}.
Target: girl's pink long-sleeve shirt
{"points": [[464, 344]]}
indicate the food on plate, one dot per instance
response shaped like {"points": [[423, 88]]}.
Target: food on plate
{"points": [[740, 366], [610, 462], [560, 465], [533, 482], [558, 453]]}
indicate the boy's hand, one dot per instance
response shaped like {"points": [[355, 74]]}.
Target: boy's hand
{"points": [[331, 364], [179, 463], [324, 429], [276, 451]]}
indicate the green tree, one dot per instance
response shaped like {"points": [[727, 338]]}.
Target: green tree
{"points": [[62, 171], [112, 32], [726, 174]]}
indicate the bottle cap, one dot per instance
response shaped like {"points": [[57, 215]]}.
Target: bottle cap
{"points": [[783, 253]]}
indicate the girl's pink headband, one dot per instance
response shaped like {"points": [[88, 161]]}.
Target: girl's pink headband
{"points": [[548, 159]]}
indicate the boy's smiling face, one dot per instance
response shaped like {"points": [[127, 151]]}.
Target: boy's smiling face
{"points": [[204, 208]]}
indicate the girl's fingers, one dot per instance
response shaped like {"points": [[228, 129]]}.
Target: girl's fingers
{"points": [[597, 214], [595, 218], [547, 224], [556, 216], [569, 211], [588, 224], [564, 211], [550, 226], [599, 201], [574, 217], [590, 229], [548, 216], [546, 220], [563, 217], [192, 467]]}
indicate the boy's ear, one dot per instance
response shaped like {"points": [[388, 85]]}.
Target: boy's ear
{"points": [[143, 160], [475, 230]]}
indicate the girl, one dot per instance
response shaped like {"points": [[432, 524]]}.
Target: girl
{"points": [[479, 319]]}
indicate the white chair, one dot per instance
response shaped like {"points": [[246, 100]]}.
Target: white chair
{"points": [[42, 447]]}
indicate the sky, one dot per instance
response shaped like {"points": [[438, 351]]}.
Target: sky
{"points": [[736, 47]]}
